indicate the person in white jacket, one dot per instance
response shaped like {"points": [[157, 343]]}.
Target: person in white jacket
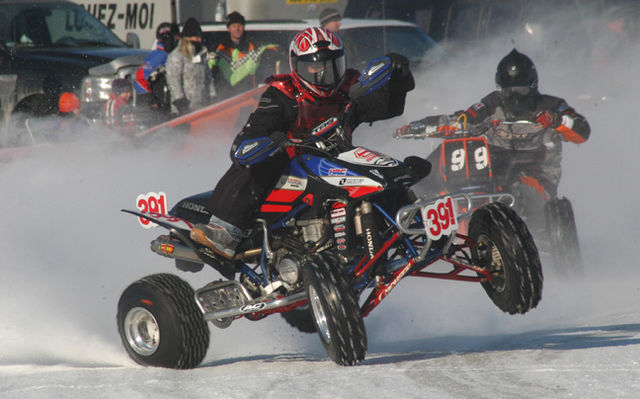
{"points": [[188, 75]]}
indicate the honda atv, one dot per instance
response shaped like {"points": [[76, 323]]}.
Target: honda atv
{"points": [[335, 235], [467, 165]]}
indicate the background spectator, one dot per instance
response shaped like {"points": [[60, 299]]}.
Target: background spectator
{"points": [[236, 63], [151, 81], [188, 76], [118, 114], [330, 19]]}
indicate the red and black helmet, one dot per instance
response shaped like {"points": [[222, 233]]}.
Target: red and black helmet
{"points": [[317, 61]]}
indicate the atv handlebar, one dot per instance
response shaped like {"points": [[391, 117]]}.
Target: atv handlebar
{"points": [[418, 130]]}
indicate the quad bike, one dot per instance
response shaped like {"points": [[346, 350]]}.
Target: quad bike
{"points": [[335, 235], [467, 164]]}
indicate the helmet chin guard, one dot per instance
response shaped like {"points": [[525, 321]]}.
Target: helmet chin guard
{"points": [[317, 61]]}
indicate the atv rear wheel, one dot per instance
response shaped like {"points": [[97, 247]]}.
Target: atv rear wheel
{"points": [[563, 235], [506, 248], [160, 324], [335, 311]]}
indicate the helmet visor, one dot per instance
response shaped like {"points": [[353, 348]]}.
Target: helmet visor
{"points": [[321, 72]]}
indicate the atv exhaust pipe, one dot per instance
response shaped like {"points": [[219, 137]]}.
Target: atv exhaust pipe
{"points": [[165, 246]]}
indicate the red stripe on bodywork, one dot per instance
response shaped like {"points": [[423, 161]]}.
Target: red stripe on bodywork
{"points": [[270, 208], [355, 192], [278, 195]]}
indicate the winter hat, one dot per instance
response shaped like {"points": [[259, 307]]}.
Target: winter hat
{"points": [[163, 30], [235, 18], [119, 86], [68, 102], [191, 28], [329, 15]]}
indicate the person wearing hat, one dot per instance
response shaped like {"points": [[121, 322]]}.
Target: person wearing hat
{"points": [[69, 103], [69, 124], [150, 81], [167, 36], [330, 19], [188, 76], [236, 63], [118, 114]]}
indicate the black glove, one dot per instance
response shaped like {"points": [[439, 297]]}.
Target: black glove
{"points": [[182, 104], [402, 72]]}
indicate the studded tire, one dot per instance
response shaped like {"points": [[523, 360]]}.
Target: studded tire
{"points": [[335, 310], [505, 246], [160, 324]]}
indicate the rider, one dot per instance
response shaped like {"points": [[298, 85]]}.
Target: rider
{"points": [[516, 99], [316, 89]]}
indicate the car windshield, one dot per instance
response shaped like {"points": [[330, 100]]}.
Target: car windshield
{"points": [[52, 25], [364, 44]]}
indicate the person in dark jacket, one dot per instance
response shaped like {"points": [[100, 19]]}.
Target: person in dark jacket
{"points": [[316, 89], [517, 99], [238, 63], [150, 82]]}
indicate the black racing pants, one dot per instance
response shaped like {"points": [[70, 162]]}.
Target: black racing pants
{"points": [[237, 197]]}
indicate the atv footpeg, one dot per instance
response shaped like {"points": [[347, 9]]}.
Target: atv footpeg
{"points": [[222, 295]]}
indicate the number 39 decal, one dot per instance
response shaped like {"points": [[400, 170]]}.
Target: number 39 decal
{"points": [[440, 218]]}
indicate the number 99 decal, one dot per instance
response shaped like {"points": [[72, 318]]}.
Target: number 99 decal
{"points": [[440, 218]]}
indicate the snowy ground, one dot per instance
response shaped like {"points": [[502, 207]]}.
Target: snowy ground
{"points": [[67, 254]]}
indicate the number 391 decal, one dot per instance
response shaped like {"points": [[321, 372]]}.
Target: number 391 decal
{"points": [[440, 218], [151, 202]]}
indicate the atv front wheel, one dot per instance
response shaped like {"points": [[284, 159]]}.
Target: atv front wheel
{"points": [[160, 324], [563, 235], [506, 248], [335, 311]]}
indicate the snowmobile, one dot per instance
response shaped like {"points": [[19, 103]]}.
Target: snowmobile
{"points": [[489, 174], [332, 239]]}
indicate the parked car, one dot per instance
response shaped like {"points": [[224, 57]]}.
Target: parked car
{"points": [[48, 47], [364, 39]]}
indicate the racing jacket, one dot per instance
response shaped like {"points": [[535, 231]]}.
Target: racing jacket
{"points": [[285, 108], [570, 127], [156, 59]]}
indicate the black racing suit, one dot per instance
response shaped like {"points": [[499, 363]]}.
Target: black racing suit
{"points": [[285, 108]]}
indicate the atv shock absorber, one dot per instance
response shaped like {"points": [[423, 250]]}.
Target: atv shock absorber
{"points": [[369, 228]]}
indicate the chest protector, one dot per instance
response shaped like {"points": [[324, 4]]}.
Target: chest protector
{"points": [[311, 110]]}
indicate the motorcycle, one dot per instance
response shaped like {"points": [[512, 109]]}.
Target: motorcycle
{"points": [[488, 174], [334, 236]]}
